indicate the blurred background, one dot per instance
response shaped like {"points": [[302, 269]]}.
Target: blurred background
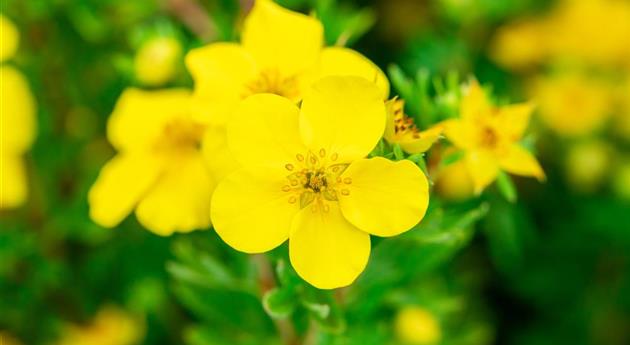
{"points": [[553, 267]]}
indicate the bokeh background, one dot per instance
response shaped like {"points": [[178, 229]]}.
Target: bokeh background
{"points": [[553, 267]]}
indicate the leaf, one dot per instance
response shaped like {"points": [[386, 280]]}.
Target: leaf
{"points": [[279, 303], [400, 81], [506, 187], [398, 152]]}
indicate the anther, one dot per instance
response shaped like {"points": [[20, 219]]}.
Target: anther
{"points": [[335, 169], [299, 157], [289, 167], [322, 153], [314, 208], [347, 180], [294, 183], [292, 199], [286, 188], [345, 192], [313, 160], [334, 156], [338, 179]]}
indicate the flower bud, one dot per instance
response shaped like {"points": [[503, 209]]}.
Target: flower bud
{"points": [[417, 326], [156, 61]]}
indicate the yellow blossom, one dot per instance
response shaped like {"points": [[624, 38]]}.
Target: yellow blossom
{"points": [[156, 61], [281, 52], [587, 164], [10, 38], [489, 137], [519, 45], [159, 169], [305, 178], [571, 104], [401, 129], [417, 326], [111, 326], [453, 182], [17, 123]]}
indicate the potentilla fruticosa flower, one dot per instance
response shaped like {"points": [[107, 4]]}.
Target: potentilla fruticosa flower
{"points": [[489, 136], [281, 52], [305, 178], [159, 169], [402, 130], [17, 121]]}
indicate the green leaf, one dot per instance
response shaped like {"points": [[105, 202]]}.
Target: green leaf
{"points": [[279, 303], [400, 81], [398, 152], [506, 187]]}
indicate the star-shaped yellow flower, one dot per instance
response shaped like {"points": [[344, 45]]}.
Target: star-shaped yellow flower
{"points": [[401, 129], [17, 121], [305, 178], [281, 52], [489, 137], [159, 169], [111, 326]]}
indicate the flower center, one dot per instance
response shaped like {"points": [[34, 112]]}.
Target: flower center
{"points": [[403, 124], [316, 178], [489, 138], [180, 134], [272, 81]]}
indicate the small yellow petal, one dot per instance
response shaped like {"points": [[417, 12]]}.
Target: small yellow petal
{"points": [[462, 133], [280, 39], [221, 72], [180, 199], [251, 214], [421, 142], [9, 39], [519, 161], [514, 119], [263, 134], [325, 249], [120, 185], [385, 198], [347, 62], [475, 104], [343, 115], [17, 109], [13, 183], [140, 117], [483, 168]]}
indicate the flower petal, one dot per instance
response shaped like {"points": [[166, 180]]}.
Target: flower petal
{"points": [[483, 168], [343, 61], [519, 161], [475, 104], [17, 109], [344, 115], [462, 133], [385, 198], [9, 38], [263, 134], [251, 214], [219, 158], [514, 119], [13, 184], [221, 72], [325, 249], [120, 185], [140, 116], [180, 199], [423, 142], [280, 39]]}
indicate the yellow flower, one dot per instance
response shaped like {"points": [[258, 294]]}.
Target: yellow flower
{"points": [[156, 61], [159, 169], [10, 38], [453, 182], [417, 326], [489, 137], [111, 326], [571, 104], [587, 165], [280, 52], [17, 123], [400, 129], [520, 45], [305, 179]]}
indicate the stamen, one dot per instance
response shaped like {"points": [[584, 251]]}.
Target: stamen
{"points": [[322, 153], [345, 192], [294, 183], [313, 160], [299, 157], [347, 180], [326, 208], [289, 167], [286, 188], [292, 199], [334, 156]]}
